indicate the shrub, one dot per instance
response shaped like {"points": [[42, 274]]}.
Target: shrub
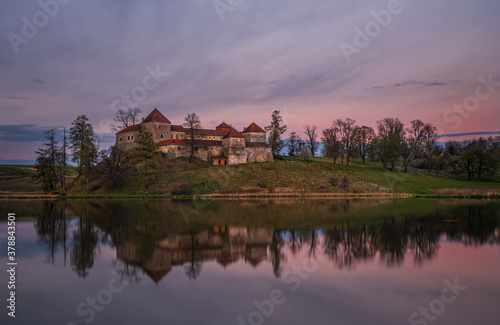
{"points": [[334, 181], [346, 183]]}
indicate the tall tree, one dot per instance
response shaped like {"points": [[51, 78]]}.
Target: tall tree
{"points": [[430, 148], [311, 135], [346, 130], [275, 131], [84, 146], [294, 144], [331, 143], [62, 162], [389, 142], [362, 139], [46, 162], [145, 154], [125, 118], [192, 123]]}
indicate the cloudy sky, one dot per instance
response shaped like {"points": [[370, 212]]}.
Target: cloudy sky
{"points": [[238, 60]]}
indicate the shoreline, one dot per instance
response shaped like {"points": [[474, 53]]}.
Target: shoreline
{"points": [[494, 196]]}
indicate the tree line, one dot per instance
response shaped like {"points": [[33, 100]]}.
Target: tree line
{"points": [[413, 147]]}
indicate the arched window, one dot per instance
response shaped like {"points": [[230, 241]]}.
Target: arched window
{"points": [[177, 136], [128, 138], [121, 139], [132, 137], [161, 135]]}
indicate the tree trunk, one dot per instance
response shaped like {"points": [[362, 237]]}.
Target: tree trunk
{"points": [[146, 184], [88, 181]]}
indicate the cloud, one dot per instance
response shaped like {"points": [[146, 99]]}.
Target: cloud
{"points": [[21, 133], [422, 83], [38, 81]]}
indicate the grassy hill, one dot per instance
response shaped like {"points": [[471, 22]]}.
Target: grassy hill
{"points": [[287, 176], [19, 179]]}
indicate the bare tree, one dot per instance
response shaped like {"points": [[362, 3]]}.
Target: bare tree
{"points": [[126, 118], [193, 123], [294, 144], [310, 131]]}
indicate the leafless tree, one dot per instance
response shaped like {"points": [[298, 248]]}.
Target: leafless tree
{"points": [[193, 123], [310, 131], [126, 118]]}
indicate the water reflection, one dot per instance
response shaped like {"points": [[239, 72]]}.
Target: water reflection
{"points": [[152, 238]]}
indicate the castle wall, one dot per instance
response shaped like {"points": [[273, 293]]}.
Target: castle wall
{"points": [[203, 152], [256, 154], [235, 151], [125, 141], [255, 137], [160, 131]]}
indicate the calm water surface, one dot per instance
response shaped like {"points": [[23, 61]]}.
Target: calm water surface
{"points": [[254, 262]]}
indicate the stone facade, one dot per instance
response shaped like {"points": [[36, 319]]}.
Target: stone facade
{"points": [[224, 145]]}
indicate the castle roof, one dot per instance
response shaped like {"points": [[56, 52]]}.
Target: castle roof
{"points": [[156, 116], [253, 128], [223, 126], [130, 128], [233, 134], [185, 142]]}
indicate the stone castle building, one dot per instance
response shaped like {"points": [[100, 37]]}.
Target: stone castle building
{"points": [[224, 145]]}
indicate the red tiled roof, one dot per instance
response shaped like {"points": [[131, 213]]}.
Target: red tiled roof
{"points": [[130, 128], [253, 128], [206, 132], [233, 134], [223, 125], [185, 142], [156, 116], [177, 128]]}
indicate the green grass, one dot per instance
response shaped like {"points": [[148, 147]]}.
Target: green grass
{"points": [[290, 176], [287, 176], [19, 179]]}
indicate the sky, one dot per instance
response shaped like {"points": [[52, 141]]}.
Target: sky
{"points": [[238, 60]]}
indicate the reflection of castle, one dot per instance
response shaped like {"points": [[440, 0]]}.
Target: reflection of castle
{"points": [[225, 245]]}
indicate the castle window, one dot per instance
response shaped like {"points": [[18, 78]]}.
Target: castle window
{"points": [[121, 139], [132, 137], [178, 148], [177, 136], [128, 138], [161, 135], [159, 127], [171, 136]]}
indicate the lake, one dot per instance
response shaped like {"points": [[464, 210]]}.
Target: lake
{"points": [[276, 261]]}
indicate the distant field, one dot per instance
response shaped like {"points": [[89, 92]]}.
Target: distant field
{"points": [[19, 179]]}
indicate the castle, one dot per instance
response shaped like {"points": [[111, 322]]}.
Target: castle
{"points": [[223, 146]]}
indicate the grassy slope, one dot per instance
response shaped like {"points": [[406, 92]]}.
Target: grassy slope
{"points": [[284, 176], [19, 179]]}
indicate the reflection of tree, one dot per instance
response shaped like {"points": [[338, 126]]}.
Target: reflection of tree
{"points": [[391, 242], [193, 269], [295, 241], [84, 244], [51, 228], [347, 245], [277, 255], [423, 241]]}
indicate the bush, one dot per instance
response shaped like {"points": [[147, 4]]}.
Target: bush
{"points": [[346, 183], [334, 181], [271, 188]]}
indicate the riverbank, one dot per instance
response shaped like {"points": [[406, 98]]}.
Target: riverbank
{"points": [[289, 177]]}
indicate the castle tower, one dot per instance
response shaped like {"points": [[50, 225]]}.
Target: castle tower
{"points": [[254, 133], [158, 125], [233, 144]]}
